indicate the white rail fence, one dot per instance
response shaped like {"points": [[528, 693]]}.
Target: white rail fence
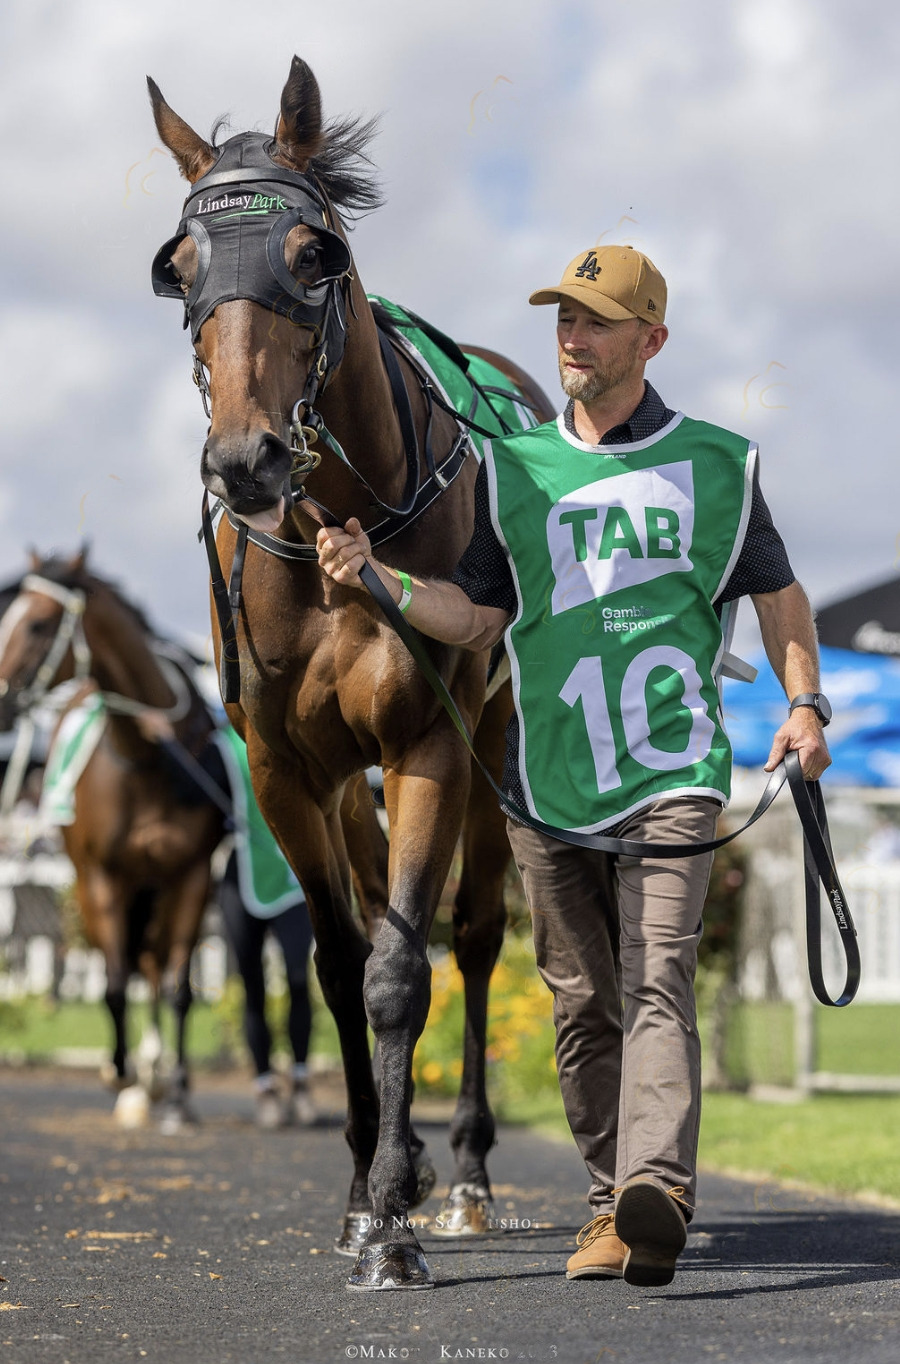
{"points": [[35, 958]]}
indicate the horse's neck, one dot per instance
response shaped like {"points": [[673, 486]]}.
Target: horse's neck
{"points": [[122, 660]]}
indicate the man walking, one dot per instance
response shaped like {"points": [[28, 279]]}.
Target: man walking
{"points": [[605, 545]]}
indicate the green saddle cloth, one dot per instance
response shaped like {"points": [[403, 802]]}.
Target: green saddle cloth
{"points": [[73, 746], [462, 379], [266, 882]]}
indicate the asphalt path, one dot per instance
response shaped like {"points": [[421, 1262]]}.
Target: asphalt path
{"points": [[213, 1246]]}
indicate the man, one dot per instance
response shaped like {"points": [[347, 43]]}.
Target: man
{"points": [[605, 545]]}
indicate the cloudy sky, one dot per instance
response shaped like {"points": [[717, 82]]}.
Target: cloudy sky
{"points": [[743, 144]]}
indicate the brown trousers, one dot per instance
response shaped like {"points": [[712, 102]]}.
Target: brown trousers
{"points": [[616, 942]]}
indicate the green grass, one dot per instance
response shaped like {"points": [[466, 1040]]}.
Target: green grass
{"points": [[842, 1144], [34, 1029], [863, 1039]]}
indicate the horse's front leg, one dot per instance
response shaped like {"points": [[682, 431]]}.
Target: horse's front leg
{"points": [[313, 842], [180, 912], [425, 812], [102, 899], [367, 850]]}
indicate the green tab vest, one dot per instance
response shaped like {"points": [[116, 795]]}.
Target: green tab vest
{"points": [[617, 554]]}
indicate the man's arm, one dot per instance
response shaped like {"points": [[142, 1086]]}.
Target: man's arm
{"points": [[439, 609], [789, 635]]}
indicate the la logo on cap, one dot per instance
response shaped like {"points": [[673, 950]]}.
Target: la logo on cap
{"points": [[588, 269]]}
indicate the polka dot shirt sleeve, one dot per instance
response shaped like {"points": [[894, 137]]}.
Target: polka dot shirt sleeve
{"points": [[483, 572], [763, 564]]}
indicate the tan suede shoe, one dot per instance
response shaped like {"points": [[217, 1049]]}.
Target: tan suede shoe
{"points": [[601, 1254], [651, 1222]]}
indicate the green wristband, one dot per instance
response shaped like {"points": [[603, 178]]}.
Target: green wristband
{"points": [[406, 584]]}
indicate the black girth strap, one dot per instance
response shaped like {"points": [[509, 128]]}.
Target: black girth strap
{"points": [[818, 860]]}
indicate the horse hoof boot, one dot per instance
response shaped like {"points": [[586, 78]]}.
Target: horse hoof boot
{"points": [[157, 1086], [468, 1210], [132, 1108], [353, 1234], [381, 1265], [175, 1118], [112, 1079], [426, 1177], [269, 1110]]}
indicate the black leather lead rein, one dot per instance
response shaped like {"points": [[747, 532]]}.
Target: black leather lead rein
{"points": [[817, 854]]}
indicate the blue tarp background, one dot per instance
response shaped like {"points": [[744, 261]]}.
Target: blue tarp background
{"points": [[863, 737]]}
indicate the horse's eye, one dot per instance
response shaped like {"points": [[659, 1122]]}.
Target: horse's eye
{"points": [[308, 257], [183, 264], [40, 628]]}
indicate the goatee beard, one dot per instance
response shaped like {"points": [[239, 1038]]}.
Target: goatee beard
{"points": [[584, 387]]}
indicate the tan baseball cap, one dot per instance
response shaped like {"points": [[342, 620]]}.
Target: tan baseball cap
{"points": [[616, 282]]}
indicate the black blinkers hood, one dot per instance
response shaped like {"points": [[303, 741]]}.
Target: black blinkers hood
{"points": [[239, 215]]}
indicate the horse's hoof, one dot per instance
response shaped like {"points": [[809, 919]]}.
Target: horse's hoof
{"points": [[175, 1118], [468, 1210], [426, 1176], [157, 1086], [132, 1107], [111, 1079], [354, 1233], [381, 1265]]}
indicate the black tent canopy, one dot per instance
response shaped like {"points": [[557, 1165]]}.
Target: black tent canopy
{"points": [[867, 621]]}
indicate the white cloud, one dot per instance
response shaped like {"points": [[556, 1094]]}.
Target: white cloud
{"points": [[61, 353]]}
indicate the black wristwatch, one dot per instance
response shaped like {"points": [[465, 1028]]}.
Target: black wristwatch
{"points": [[817, 701]]}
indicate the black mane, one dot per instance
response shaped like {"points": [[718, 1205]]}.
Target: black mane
{"points": [[59, 570], [345, 170]]}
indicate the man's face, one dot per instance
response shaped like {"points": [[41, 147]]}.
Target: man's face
{"points": [[595, 355]]}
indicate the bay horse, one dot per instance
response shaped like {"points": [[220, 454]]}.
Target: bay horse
{"points": [[143, 832], [296, 354]]}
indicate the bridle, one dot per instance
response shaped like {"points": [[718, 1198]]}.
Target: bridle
{"points": [[70, 634], [239, 215]]}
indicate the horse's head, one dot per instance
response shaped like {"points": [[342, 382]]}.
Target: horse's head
{"points": [[40, 633], [262, 265]]}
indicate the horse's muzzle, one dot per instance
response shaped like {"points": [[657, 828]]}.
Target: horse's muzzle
{"points": [[249, 476]]}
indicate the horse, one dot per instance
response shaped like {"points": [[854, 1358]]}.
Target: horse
{"points": [[143, 831], [291, 356]]}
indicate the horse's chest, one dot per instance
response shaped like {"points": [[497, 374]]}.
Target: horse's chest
{"points": [[342, 700]]}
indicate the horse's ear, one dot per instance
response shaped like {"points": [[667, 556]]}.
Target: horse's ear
{"points": [[78, 563], [194, 156], [34, 559], [298, 133]]}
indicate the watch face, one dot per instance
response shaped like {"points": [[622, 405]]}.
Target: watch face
{"points": [[817, 702]]}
